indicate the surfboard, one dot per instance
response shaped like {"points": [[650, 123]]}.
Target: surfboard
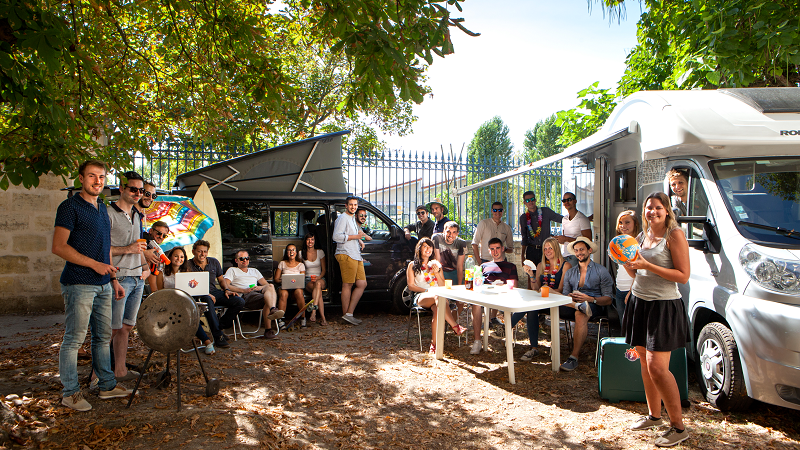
{"points": [[205, 202]]}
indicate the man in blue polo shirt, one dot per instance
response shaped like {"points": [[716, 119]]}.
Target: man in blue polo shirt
{"points": [[82, 237]]}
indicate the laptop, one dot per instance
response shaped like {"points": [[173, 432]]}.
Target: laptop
{"points": [[193, 283], [293, 281]]}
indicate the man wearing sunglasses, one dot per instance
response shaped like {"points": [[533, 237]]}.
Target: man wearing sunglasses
{"points": [[534, 225], [573, 225], [249, 284], [145, 201], [126, 250], [493, 227], [423, 227]]}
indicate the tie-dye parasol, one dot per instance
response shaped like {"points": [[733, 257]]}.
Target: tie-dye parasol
{"points": [[187, 224]]}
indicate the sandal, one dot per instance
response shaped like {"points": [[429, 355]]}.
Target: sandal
{"points": [[433, 348], [322, 322], [458, 329], [313, 317]]}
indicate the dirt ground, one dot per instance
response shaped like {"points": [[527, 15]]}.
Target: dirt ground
{"points": [[343, 386]]}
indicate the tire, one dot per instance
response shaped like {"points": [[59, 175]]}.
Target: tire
{"points": [[402, 297], [719, 370]]}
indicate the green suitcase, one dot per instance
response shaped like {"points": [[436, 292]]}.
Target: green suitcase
{"points": [[619, 372]]}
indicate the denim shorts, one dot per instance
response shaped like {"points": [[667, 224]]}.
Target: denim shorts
{"points": [[125, 310]]}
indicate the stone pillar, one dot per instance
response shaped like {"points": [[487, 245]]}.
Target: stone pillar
{"points": [[29, 272]]}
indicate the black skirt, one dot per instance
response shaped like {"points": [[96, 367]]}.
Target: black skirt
{"points": [[657, 325]]}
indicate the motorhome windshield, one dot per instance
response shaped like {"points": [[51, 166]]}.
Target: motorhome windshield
{"points": [[763, 197]]}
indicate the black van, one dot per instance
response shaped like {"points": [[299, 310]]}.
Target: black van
{"points": [[265, 223]]}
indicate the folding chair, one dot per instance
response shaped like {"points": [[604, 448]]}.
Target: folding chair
{"points": [[596, 318]]}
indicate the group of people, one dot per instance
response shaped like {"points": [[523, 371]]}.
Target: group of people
{"points": [[647, 299], [107, 265]]}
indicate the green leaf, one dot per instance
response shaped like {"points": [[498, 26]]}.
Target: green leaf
{"points": [[713, 78]]}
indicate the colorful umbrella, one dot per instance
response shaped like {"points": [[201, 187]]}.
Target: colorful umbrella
{"points": [[187, 224]]}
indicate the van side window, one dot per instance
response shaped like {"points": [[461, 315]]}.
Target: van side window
{"points": [[243, 221], [285, 223]]}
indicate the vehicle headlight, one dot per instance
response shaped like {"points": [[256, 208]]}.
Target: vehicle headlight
{"points": [[771, 273]]}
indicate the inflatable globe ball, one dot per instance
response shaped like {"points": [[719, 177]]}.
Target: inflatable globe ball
{"points": [[623, 249]]}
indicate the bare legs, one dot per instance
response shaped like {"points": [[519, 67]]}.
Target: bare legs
{"points": [[660, 385], [119, 340], [316, 293], [351, 295], [429, 301]]}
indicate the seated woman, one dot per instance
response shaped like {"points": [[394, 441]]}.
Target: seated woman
{"points": [[290, 265], [422, 273], [166, 280], [314, 260], [548, 273]]}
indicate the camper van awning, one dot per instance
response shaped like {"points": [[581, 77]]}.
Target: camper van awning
{"points": [[593, 142], [310, 165]]}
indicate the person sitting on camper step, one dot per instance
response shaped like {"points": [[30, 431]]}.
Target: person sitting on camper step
{"points": [[248, 283]]}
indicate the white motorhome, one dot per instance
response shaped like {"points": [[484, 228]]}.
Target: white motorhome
{"points": [[741, 150]]}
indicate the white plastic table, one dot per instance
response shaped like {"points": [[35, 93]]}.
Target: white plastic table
{"points": [[509, 301]]}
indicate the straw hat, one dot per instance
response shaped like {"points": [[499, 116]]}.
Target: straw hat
{"points": [[585, 240]]}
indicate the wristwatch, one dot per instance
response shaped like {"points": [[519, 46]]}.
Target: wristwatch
{"points": [[594, 300]]}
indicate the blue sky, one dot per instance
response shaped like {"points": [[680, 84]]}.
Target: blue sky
{"points": [[530, 61]]}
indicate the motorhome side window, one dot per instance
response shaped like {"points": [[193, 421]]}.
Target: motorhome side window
{"points": [[625, 185], [294, 222], [243, 221], [698, 205]]}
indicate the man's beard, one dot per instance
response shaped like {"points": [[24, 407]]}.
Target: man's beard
{"points": [[583, 258], [141, 203]]}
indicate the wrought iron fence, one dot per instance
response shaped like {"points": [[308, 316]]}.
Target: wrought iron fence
{"points": [[394, 181], [397, 182]]}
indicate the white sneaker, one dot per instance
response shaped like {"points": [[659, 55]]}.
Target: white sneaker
{"points": [[476, 348], [303, 322], [358, 321]]}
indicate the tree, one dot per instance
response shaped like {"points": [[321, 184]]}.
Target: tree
{"points": [[489, 153], [699, 44], [541, 142], [103, 79]]}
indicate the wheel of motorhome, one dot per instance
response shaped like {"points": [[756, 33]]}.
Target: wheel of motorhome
{"points": [[402, 297], [719, 369]]}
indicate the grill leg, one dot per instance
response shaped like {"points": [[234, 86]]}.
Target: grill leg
{"points": [[139, 380], [203, 369], [178, 364]]}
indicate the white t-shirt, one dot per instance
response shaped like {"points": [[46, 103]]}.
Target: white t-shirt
{"points": [[572, 228], [314, 267], [296, 270], [624, 281], [243, 280]]}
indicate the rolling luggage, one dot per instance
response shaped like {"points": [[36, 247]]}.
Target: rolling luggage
{"points": [[619, 371]]}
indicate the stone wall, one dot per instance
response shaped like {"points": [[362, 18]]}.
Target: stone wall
{"points": [[29, 272]]}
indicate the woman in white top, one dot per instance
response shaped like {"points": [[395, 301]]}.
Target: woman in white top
{"points": [[627, 223], [290, 265], [422, 273], [314, 260], [166, 280]]}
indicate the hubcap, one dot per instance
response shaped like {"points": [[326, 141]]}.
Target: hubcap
{"points": [[408, 297], [712, 366]]}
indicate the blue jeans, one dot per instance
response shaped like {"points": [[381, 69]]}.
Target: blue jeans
{"points": [[86, 305], [234, 303], [125, 310], [619, 305], [533, 325]]}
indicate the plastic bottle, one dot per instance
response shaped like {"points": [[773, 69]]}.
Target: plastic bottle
{"points": [[478, 277]]}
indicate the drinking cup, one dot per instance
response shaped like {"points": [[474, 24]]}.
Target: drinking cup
{"points": [[511, 283], [142, 244], [545, 291], [448, 284]]}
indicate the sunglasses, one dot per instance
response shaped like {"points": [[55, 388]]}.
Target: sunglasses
{"points": [[497, 209], [244, 258], [362, 215], [422, 213], [159, 234], [135, 190], [567, 200], [528, 200], [149, 195]]}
